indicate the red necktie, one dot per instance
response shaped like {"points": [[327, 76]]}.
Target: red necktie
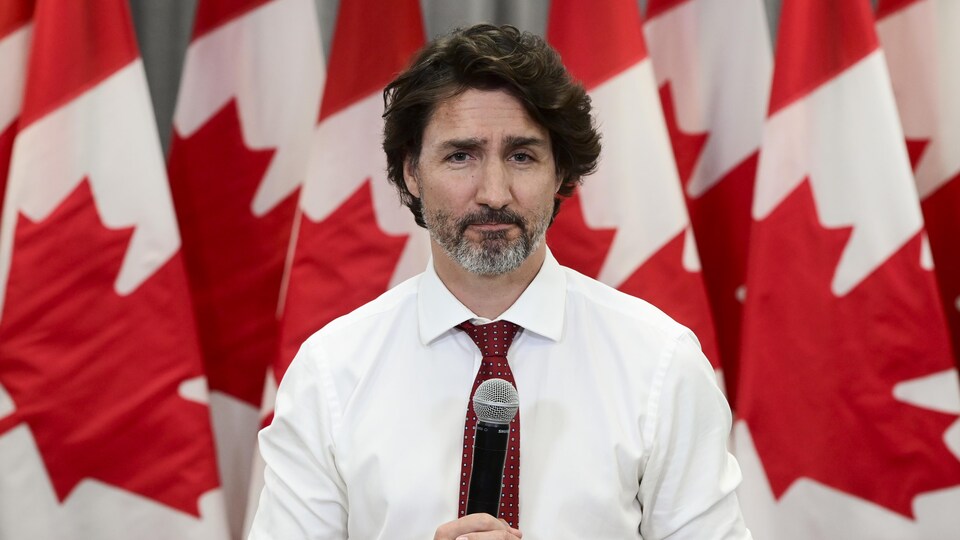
{"points": [[493, 340]]}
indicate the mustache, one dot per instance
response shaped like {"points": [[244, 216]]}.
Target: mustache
{"points": [[488, 216]]}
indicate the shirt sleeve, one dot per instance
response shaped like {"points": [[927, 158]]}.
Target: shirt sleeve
{"points": [[687, 488], [303, 495]]}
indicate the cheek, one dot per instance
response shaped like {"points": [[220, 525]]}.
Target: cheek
{"points": [[441, 198], [448, 189], [537, 195]]}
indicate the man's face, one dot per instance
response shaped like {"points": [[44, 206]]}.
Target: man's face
{"points": [[486, 179]]}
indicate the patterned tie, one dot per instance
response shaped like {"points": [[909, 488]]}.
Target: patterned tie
{"points": [[493, 340]]}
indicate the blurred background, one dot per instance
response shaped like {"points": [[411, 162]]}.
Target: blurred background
{"points": [[163, 32]]}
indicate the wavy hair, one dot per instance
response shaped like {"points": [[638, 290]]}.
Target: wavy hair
{"points": [[488, 57]]}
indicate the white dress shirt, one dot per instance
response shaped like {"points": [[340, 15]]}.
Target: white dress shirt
{"points": [[623, 429]]}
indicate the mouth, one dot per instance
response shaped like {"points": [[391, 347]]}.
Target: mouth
{"points": [[493, 226]]}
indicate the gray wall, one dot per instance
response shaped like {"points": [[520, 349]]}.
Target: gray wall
{"points": [[164, 26]]}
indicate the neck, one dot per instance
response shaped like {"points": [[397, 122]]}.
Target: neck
{"points": [[486, 296]]}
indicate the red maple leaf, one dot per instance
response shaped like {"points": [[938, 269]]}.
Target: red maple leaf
{"points": [[818, 371], [95, 375], [339, 264], [234, 259], [721, 222], [687, 147], [574, 243], [943, 228], [915, 149]]}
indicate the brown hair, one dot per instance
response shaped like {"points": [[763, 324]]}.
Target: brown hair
{"points": [[489, 57]]}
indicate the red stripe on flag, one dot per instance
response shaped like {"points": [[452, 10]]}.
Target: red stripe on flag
{"points": [[817, 40], [214, 13], [76, 45], [594, 56], [656, 8], [373, 42]]}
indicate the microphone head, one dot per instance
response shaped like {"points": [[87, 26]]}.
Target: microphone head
{"points": [[496, 401]]}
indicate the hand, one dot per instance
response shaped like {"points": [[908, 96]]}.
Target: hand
{"points": [[477, 527]]}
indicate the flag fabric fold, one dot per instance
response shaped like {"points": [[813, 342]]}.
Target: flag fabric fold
{"points": [[351, 239], [16, 30], [354, 240], [104, 423], [922, 49], [249, 96], [848, 396], [713, 67], [627, 225]]}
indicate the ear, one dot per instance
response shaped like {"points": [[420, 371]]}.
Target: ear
{"points": [[410, 176]]}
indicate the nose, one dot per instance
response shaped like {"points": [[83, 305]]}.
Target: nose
{"points": [[493, 186]]}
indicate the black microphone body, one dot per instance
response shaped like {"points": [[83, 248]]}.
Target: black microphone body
{"points": [[486, 478]]}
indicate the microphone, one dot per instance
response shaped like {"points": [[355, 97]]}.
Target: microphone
{"points": [[495, 403]]}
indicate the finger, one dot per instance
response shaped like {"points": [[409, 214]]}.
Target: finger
{"points": [[514, 531], [489, 535], [473, 523]]}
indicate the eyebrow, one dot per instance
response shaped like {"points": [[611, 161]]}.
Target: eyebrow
{"points": [[454, 144], [512, 141]]}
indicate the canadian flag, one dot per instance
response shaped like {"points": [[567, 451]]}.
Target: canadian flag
{"points": [[848, 396], [354, 240], [627, 225], [15, 33], [351, 238], [249, 97], [922, 46], [104, 424], [713, 66]]}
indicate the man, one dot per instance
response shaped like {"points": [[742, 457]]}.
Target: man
{"points": [[622, 428]]}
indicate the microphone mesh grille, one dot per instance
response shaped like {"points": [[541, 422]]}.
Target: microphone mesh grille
{"points": [[496, 401]]}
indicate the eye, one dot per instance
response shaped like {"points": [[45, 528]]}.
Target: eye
{"points": [[522, 157], [458, 157]]}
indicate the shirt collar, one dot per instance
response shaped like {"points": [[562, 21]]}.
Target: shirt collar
{"points": [[539, 309]]}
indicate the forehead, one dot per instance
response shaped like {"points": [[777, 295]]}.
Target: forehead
{"points": [[488, 115]]}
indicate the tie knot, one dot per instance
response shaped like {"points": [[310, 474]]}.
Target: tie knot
{"points": [[492, 339]]}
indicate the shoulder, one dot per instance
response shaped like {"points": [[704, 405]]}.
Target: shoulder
{"points": [[336, 357], [634, 331], [592, 299], [393, 305]]}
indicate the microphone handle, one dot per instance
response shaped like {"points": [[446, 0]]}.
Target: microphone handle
{"points": [[486, 478]]}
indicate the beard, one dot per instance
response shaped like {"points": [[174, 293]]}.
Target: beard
{"points": [[495, 253]]}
